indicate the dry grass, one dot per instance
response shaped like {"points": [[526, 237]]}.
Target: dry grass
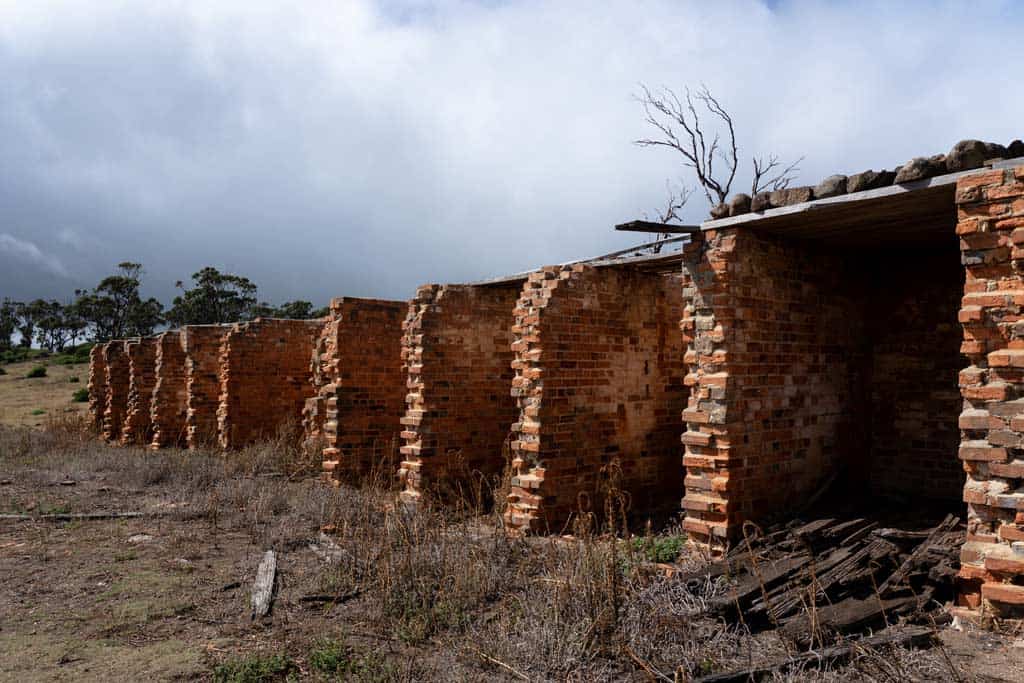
{"points": [[21, 398], [452, 594]]}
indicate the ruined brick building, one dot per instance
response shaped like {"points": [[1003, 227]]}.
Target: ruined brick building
{"points": [[863, 337]]}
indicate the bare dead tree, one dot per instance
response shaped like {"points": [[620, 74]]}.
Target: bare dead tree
{"points": [[680, 127], [769, 174], [703, 144], [675, 200]]}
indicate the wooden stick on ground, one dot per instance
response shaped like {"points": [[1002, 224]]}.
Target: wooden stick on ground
{"points": [[80, 516], [263, 587]]}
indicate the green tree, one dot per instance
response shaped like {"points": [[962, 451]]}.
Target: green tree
{"points": [[51, 327], [29, 315], [293, 310], [115, 309], [215, 298], [8, 323]]}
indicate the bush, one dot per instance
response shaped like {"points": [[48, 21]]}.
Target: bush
{"points": [[37, 371], [73, 379], [2, 371], [80, 396], [38, 411], [253, 669]]}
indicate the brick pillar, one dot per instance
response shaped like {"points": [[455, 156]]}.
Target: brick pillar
{"points": [[990, 208], [167, 412], [97, 388], [141, 380], [357, 374], [201, 344], [599, 380], [264, 378], [115, 359], [457, 354]]}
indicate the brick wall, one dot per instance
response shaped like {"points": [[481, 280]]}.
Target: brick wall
{"points": [[357, 372], [991, 227], [264, 378], [915, 359], [116, 361], [141, 380], [456, 350], [97, 388], [202, 382], [170, 394], [776, 351], [599, 378]]}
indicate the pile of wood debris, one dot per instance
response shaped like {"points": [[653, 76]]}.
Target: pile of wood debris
{"points": [[831, 585]]}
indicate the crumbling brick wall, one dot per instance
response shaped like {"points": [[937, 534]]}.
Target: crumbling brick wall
{"points": [[170, 394], [202, 382], [115, 359], [773, 330], [141, 380], [599, 379], [357, 373], [457, 355], [97, 388], [264, 378], [991, 227]]}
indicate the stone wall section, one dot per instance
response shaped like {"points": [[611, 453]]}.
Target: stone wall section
{"points": [[97, 388], [137, 428], [456, 350], [170, 393], [360, 394], [201, 344], [990, 208], [599, 380], [115, 360], [264, 378]]}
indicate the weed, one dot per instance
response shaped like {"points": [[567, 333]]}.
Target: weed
{"points": [[73, 379], [80, 396], [2, 371], [334, 659], [660, 548], [254, 669], [36, 372], [38, 411]]}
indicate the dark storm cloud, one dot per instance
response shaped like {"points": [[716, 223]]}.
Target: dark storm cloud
{"points": [[363, 148]]}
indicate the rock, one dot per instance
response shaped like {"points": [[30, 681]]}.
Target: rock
{"points": [[869, 180], [830, 187], [796, 195], [139, 538], [919, 168], [720, 211], [993, 150], [965, 155], [939, 161], [760, 202], [739, 204], [1015, 149]]}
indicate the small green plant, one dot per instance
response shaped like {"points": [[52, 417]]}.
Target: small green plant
{"points": [[80, 396], [38, 411], [333, 659], [659, 548], [2, 371], [73, 379], [253, 669], [37, 371]]}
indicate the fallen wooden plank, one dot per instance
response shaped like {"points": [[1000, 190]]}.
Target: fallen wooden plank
{"points": [[900, 574], [80, 516], [263, 587], [913, 636]]}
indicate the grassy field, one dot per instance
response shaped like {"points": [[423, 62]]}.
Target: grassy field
{"points": [[33, 401]]}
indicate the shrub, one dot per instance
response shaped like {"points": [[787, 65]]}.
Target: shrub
{"points": [[39, 411], [73, 379], [253, 669], [37, 371], [80, 396], [2, 371], [660, 548]]}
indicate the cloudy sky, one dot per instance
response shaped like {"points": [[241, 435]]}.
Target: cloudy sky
{"points": [[361, 148]]}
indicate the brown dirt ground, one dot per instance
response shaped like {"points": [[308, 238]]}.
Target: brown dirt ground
{"points": [[20, 396]]}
